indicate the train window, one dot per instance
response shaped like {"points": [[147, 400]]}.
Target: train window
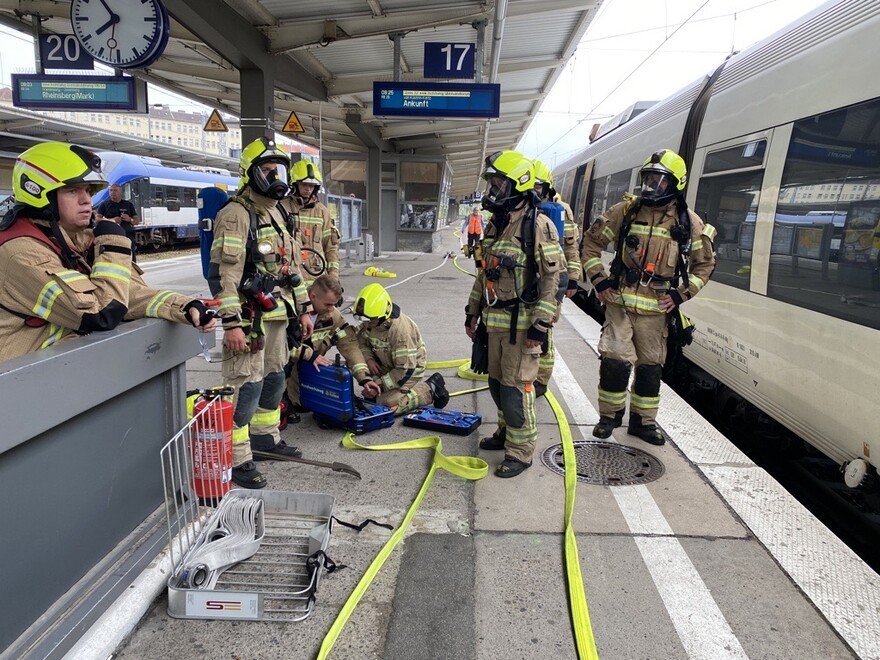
{"points": [[730, 204], [825, 254], [736, 158], [605, 192]]}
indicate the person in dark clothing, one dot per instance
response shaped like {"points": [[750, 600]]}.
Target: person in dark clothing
{"points": [[122, 212]]}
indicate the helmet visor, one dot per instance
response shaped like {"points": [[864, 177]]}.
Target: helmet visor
{"points": [[270, 178], [656, 184]]}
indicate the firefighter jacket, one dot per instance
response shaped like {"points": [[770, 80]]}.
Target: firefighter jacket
{"points": [[570, 247], [501, 289], [332, 330], [398, 348], [314, 229], [649, 268], [42, 300], [235, 256]]}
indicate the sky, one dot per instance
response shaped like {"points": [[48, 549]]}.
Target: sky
{"points": [[646, 50], [634, 50]]}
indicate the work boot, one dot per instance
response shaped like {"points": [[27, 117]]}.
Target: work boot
{"points": [[647, 432], [247, 475], [510, 467], [607, 424], [495, 441], [438, 390], [281, 449]]}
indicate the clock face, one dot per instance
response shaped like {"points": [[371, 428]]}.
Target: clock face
{"points": [[121, 33]]}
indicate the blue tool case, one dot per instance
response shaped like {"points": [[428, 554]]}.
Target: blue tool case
{"points": [[444, 421], [329, 394]]}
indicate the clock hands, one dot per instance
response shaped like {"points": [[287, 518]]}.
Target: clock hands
{"points": [[114, 19], [109, 11]]}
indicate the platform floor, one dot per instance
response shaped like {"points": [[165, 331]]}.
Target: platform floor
{"points": [[712, 560]]}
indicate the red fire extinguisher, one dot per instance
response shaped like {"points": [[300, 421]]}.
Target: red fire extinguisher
{"points": [[211, 443]]}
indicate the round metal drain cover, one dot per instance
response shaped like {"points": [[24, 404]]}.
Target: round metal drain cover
{"points": [[606, 463]]}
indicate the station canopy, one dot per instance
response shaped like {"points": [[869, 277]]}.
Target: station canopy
{"points": [[325, 56]]}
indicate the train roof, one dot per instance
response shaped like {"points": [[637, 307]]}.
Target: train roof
{"points": [[121, 168]]}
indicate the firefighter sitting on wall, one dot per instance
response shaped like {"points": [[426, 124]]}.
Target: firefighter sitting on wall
{"points": [[311, 222], [395, 355], [663, 257], [58, 277], [330, 329], [517, 290], [255, 274]]}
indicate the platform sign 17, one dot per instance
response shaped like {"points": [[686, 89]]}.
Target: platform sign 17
{"points": [[62, 51], [447, 60]]}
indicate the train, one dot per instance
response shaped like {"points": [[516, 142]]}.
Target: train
{"points": [[782, 143], [164, 197]]}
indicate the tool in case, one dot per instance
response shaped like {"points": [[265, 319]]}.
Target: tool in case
{"points": [[444, 421]]}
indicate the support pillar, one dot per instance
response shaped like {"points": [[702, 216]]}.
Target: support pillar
{"points": [[257, 105]]}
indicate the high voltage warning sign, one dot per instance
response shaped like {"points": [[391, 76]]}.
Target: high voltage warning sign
{"points": [[293, 125], [215, 123]]}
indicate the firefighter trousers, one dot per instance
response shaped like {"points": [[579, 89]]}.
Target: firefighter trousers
{"points": [[258, 378], [631, 339], [513, 369]]}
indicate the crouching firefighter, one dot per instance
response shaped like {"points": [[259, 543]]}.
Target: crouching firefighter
{"points": [[516, 293], [254, 275], [663, 256], [394, 355]]}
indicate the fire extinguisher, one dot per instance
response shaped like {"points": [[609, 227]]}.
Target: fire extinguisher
{"points": [[211, 442]]}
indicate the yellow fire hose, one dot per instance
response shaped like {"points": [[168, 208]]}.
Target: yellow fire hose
{"points": [[472, 468]]}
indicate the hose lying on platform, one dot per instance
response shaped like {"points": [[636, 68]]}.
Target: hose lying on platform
{"points": [[233, 535]]}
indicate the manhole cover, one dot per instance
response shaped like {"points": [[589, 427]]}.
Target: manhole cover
{"points": [[606, 463]]}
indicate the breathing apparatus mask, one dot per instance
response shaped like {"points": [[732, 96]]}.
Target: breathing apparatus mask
{"points": [[269, 178], [501, 196], [658, 188]]}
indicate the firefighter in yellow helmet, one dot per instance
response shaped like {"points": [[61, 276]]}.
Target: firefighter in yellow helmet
{"points": [[663, 256], [60, 277], [516, 294], [255, 273], [395, 355], [570, 277], [312, 224]]}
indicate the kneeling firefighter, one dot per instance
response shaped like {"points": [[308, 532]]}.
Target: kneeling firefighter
{"points": [[394, 354], [254, 275], [516, 293], [663, 256]]}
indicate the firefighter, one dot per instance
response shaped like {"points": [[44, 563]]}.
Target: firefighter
{"points": [[569, 277], [58, 277], [516, 288], [330, 329], [663, 256], [311, 223], [255, 273], [395, 355]]}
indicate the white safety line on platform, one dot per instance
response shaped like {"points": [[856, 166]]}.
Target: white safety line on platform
{"points": [[698, 621], [843, 588]]}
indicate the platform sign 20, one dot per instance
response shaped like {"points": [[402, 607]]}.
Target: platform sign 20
{"points": [[62, 51], [449, 60]]}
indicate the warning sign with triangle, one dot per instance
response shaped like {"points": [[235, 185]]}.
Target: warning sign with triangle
{"points": [[215, 123], [293, 125]]}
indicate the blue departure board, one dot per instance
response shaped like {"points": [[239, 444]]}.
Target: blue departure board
{"points": [[424, 99], [78, 92]]}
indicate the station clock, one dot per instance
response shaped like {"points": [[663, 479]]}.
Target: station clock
{"points": [[121, 33]]}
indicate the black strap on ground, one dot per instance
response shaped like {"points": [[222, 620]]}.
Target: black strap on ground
{"points": [[359, 528]]}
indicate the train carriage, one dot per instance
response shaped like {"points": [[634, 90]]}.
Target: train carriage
{"points": [[164, 197], [783, 147]]}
